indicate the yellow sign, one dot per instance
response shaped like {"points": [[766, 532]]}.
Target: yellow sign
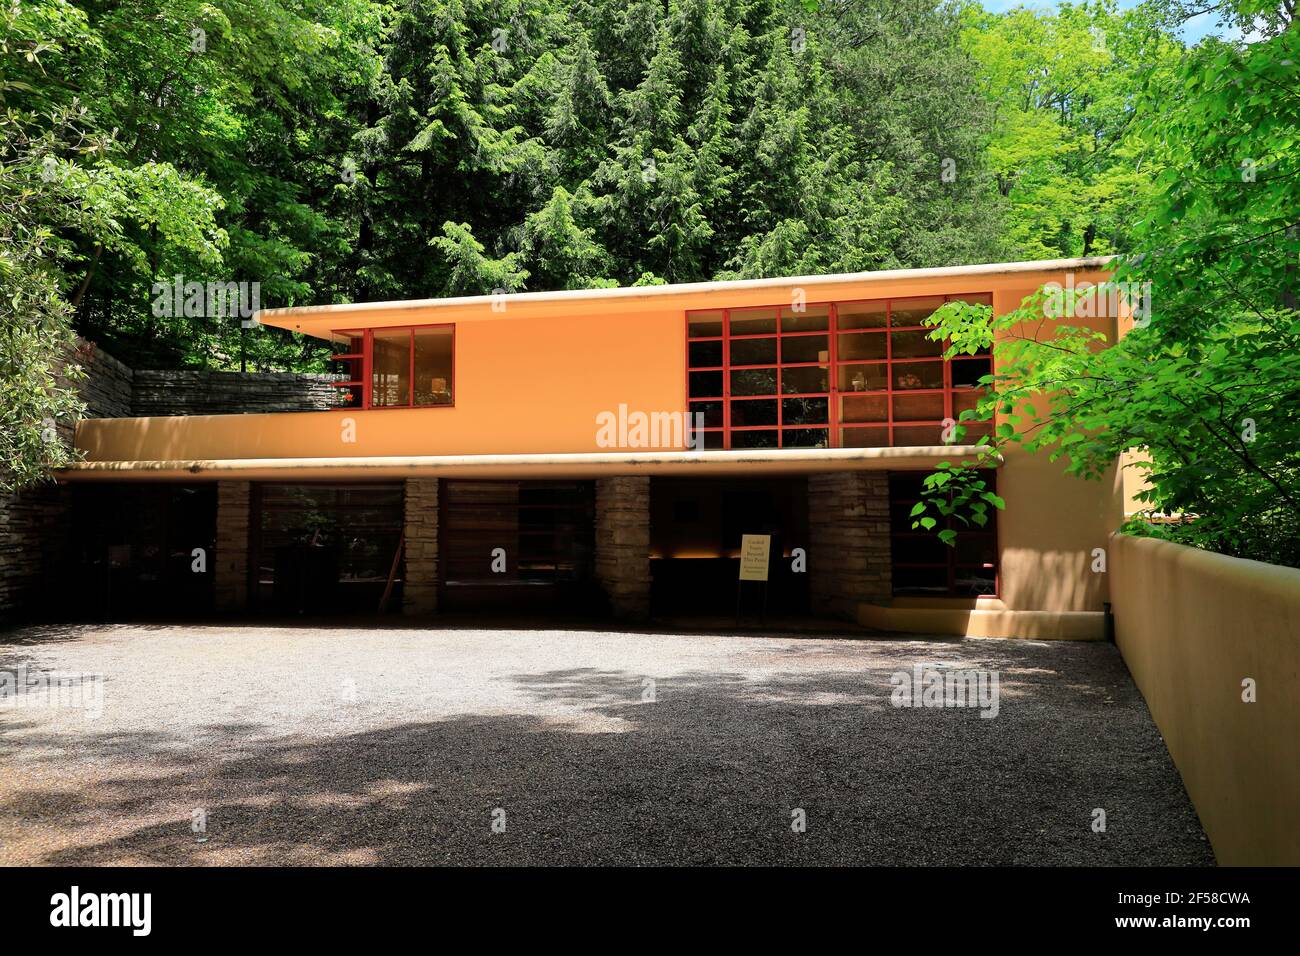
{"points": [[755, 550]]}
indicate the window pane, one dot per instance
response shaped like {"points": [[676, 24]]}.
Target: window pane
{"points": [[975, 548], [805, 411], [972, 582], [805, 348], [707, 441], [914, 343], [712, 412], [918, 375], [967, 372], [903, 312], [433, 366], [705, 324], [864, 437], [906, 436], [753, 352], [920, 580], [860, 315], [805, 438], [391, 368], [864, 378], [706, 354], [918, 408], [751, 411], [754, 381], [964, 401], [753, 321], [919, 548], [814, 318], [350, 369], [900, 514], [864, 408], [861, 345], [705, 384], [807, 379], [755, 439]]}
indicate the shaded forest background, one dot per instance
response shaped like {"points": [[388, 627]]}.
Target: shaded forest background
{"points": [[344, 150]]}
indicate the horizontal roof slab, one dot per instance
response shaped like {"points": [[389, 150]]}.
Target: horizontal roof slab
{"points": [[593, 465]]}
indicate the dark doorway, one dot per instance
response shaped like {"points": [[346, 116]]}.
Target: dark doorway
{"points": [[517, 545], [326, 548], [132, 551], [696, 526]]}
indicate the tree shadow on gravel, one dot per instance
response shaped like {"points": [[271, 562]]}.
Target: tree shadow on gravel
{"points": [[709, 772]]}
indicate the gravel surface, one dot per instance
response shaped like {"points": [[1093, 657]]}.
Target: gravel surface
{"points": [[310, 745]]}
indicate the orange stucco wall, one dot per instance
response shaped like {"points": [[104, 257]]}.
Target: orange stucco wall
{"points": [[531, 378], [1193, 626], [528, 379], [1053, 523]]}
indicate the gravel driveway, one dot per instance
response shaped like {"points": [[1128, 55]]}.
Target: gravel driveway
{"points": [[308, 745]]}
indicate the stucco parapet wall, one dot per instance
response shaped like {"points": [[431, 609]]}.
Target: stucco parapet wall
{"points": [[589, 465], [1211, 642]]}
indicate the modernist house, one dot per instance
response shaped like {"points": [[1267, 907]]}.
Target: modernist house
{"points": [[607, 449]]}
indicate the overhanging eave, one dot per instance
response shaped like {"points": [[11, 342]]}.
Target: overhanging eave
{"points": [[583, 465]]}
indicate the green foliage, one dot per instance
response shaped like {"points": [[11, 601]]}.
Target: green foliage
{"points": [[954, 495], [343, 150], [38, 400], [600, 142], [1065, 145], [1202, 392]]}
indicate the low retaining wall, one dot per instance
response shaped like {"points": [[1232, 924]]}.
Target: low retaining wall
{"points": [[1192, 626], [198, 392]]}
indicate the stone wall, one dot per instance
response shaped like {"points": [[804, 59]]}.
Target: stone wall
{"points": [[231, 585], [34, 523], [623, 544], [196, 392], [107, 388], [848, 548], [33, 530], [420, 581]]}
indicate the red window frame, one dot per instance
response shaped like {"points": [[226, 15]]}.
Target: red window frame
{"points": [[366, 360], [721, 436]]}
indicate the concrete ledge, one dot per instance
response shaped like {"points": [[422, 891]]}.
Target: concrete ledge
{"points": [[967, 621], [790, 461]]}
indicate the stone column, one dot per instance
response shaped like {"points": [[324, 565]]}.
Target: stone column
{"points": [[848, 530], [231, 584], [623, 544], [420, 582]]}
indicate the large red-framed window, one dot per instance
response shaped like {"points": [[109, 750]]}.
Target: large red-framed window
{"points": [[923, 566], [857, 374], [409, 366]]}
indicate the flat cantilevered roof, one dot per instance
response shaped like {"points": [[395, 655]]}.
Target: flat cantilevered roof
{"points": [[320, 320], [788, 461]]}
